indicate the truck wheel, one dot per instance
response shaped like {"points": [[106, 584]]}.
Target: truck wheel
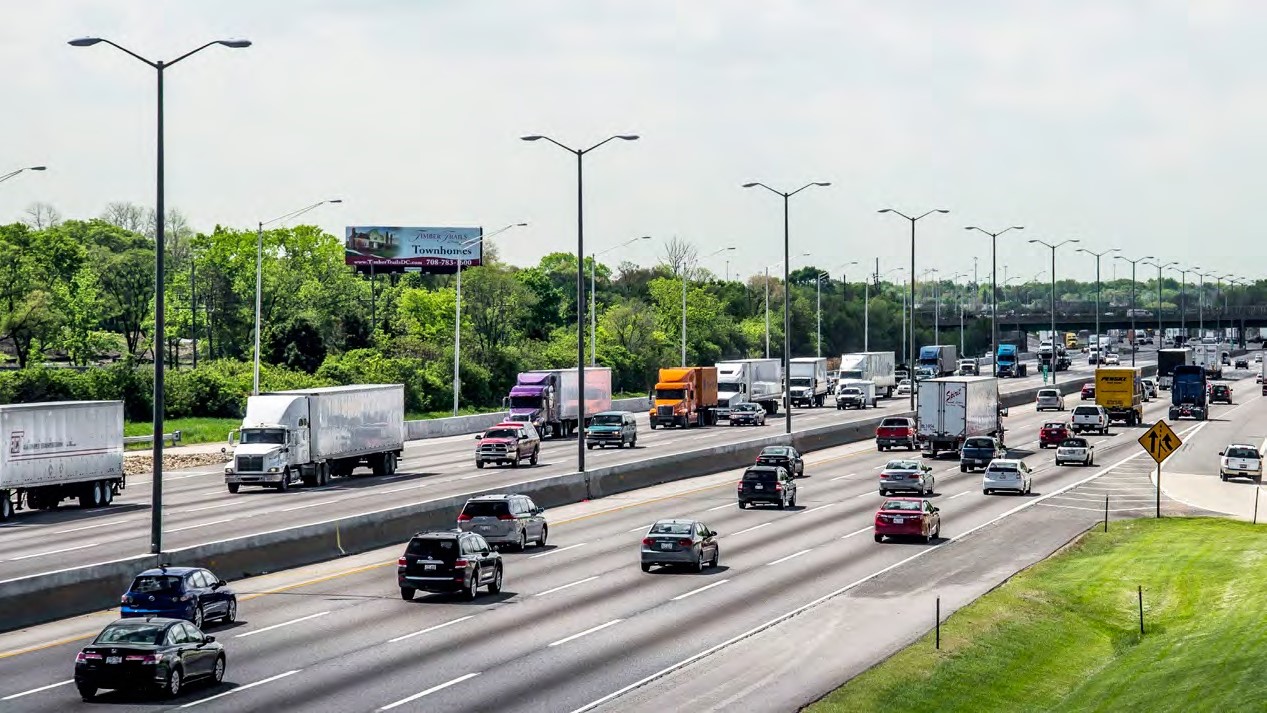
{"points": [[310, 479], [90, 495], [107, 492], [379, 464], [479, 464], [6, 506], [234, 487], [390, 463], [285, 484], [653, 424], [323, 474]]}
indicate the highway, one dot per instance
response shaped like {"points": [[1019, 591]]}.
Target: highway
{"points": [[579, 622], [198, 509]]}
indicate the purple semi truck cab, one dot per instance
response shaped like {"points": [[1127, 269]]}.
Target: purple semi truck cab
{"points": [[549, 399]]}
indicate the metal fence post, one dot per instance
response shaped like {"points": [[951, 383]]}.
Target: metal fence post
{"points": [[1106, 512], [1141, 610], [938, 645]]}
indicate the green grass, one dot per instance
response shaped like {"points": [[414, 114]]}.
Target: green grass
{"points": [[1064, 635], [192, 430]]}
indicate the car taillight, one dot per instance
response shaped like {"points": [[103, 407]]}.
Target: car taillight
{"points": [[84, 656], [126, 599], [505, 516], [463, 517], [739, 485], [402, 562], [460, 563], [684, 542], [778, 487], [142, 658], [647, 541]]}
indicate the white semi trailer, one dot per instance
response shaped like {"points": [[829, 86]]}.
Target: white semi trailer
{"points": [[749, 380], [876, 367]]}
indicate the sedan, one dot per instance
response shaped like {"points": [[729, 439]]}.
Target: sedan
{"points": [[1221, 393], [1049, 399], [1075, 450], [1242, 363], [1088, 392], [784, 457], [747, 414], [907, 517], [1052, 433], [148, 654], [903, 388], [1007, 474], [1112, 359], [906, 475], [680, 542]]}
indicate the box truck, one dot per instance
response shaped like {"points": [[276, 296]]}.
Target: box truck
{"points": [[952, 409], [1120, 390], [311, 435], [1167, 360], [685, 396], [60, 450], [937, 360], [808, 380], [757, 381], [876, 367], [1206, 355], [549, 399]]}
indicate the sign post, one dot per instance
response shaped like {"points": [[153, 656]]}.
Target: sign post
{"points": [[1160, 441]]}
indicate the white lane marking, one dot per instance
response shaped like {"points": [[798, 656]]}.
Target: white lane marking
{"points": [[36, 690], [209, 507], [750, 529], [639, 528], [53, 552], [858, 532], [400, 490], [719, 507], [864, 495], [430, 629], [429, 691], [284, 623], [785, 559], [561, 549], [203, 524], [952, 497], [477, 475], [587, 632], [704, 588], [842, 477], [820, 507], [89, 527], [241, 688], [309, 505], [573, 584]]}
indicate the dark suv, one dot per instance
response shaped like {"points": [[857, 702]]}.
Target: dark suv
{"points": [[784, 457], [505, 520], [615, 428], [188, 593], [448, 561], [767, 484], [1221, 393]]}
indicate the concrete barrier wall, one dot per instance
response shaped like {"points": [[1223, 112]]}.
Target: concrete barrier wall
{"points": [[462, 425]]}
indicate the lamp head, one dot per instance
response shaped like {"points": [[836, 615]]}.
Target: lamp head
{"points": [[335, 200], [531, 138], [822, 183], [521, 225], [1033, 241], [751, 185], [941, 210], [627, 137], [37, 168], [236, 44], [885, 210], [84, 41], [1017, 227]]}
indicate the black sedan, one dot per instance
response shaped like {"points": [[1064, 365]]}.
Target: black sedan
{"points": [[1242, 363], [148, 654], [747, 414], [783, 456]]}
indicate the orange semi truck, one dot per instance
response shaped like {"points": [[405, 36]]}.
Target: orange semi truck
{"points": [[685, 396]]}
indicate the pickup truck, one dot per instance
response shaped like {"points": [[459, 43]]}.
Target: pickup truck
{"points": [[508, 442], [977, 452], [895, 431], [1090, 418]]}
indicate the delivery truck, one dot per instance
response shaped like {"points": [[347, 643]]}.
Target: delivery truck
{"points": [[549, 399], [1206, 355], [310, 435], [937, 360], [1120, 390], [953, 409], [61, 450], [757, 381], [685, 396], [876, 367], [808, 381], [1167, 360]]}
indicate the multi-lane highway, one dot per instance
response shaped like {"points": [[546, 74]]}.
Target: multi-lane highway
{"points": [[197, 508], [578, 621]]}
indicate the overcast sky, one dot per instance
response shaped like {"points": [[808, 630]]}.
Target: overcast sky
{"points": [[1130, 124]]}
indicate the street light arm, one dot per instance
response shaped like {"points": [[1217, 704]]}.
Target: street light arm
{"points": [[756, 184], [623, 137], [569, 149], [935, 210], [89, 41], [11, 174], [898, 212], [233, 44], [301, 211], [822, 184]]}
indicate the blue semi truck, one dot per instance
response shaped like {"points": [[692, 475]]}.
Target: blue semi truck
{"points": [[1009, 361], [1188, 395]]}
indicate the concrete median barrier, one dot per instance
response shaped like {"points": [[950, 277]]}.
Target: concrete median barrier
{"points": [[463, 425]]}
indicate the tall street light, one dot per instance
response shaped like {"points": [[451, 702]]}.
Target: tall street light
{"points": [[1161, 331], [593, 265], [1183, 298], [767, 303], [787, 315], [866, 307], [952, 279], [1132, 308], [1097, 283], [911, 354], [1240, 332], [457, 308], [11, 174], [685, 277], [994, 291], [1201, 301], [160, 247], [1218, 291], [1053, 247], [580, 281]]}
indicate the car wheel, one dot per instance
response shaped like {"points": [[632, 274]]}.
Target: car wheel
{"points": [[646, 567], [743, 505], [545, 532], [589, 446], [536, 453], [217, 671], [479, 464], [716, 557], [782, 503], [495, 587], [234, 487], [407, 593], [792, 503], [230, 612], [199, 617], [928, 539], [175, 682], [523, 542], [1223, 477], [473, 590], [87, 692], [515, 462], [937, 532], [1058, 463], [879, 538], [985, 491], [701, 564], [963, 469]]}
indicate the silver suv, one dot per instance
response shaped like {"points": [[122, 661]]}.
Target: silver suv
{"points": [[505, 519]]}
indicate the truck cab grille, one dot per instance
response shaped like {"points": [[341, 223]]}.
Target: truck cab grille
{"points": [[664, 410], [250, 464]]}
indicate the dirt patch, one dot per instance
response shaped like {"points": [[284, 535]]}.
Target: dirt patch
{"points": [[141, 464]]}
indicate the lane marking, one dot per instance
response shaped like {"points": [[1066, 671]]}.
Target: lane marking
{"points": [[53, 552], [89, 527], [858, 532], [284, 623], [704, 588], [36, 690], [587, 632], [785, 559], [204, 524], [430, 629], [429, 691], [841, 477], [309, 505], [719, 507], [241, 688], [208, 507], [640, 528], [561, 549], [863, 495], [820, 507], [750, 529], [960, 495], [468, 477], [1075, 507], [573, 584]]}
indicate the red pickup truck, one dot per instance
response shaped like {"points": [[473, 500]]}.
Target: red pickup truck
{"points": [[896, 431]]}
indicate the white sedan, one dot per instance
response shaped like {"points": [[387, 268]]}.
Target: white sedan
{"points": [[903, 388], [1007, 474]]}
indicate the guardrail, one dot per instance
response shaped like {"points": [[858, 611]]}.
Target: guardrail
{"points": [[463, 425], [173, 438]]}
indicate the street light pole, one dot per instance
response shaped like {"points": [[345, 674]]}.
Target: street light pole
{"points": [[580, 281], [593, 313], [1097, 288], [911, 354], [457, 309], [994, 291], [11, 174], [1132, 309], [787, 315], [818, 300], [1053, 247], [1157, 264], [160, 326]]}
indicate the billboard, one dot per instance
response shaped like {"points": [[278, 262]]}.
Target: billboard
{"points": [[405, 249]]}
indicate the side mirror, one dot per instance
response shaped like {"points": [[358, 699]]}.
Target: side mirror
{"points": [[222, 583], [538, 510], [479, 436], [936, 509], [1220, 452], [208, 639]]}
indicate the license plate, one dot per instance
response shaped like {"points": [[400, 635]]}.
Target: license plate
{"points": [[899, 520], [114, 659], [758, 487], [428, 567], [666, 545], [484, 528]]}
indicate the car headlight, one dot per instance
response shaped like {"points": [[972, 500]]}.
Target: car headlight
{"points": [[228, 470], [274, 469]]}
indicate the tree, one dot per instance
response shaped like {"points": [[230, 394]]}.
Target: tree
{"points": [[79, 305], [679, 256], [297, 345], [497, 304], [127, 281], [41, 215], [128, 216]]}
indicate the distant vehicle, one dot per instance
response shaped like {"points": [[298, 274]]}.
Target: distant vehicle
{"points": [[907, 475], [1009, 364], [150, 653], [747, 414], [1075, 450], [1150, 387], [1241, 461], [685, 396], [907, 517], [1242, 363], [968, 367], [1206, 354], [1087, 393], [1111, 359], [1049, 400], [769, 484], [757, 381], [1121, 392], [1090, 418], [188, 593], [903, 387], [1007, 474], [978, 452], [956, 408], [1052, 433], [1167, 360], [449, 561], [783, 457], [1220, 393], [876, 367], [680, 542], [807, 377], [1188, 393], [549, 399], [618, 428], [505, 519], [855, 394], [938, 359], [894, 432], [508, 443]]}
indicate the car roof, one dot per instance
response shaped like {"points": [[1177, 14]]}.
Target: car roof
{"points": [[611, 413], [1242, 445], [776, 449], [675, 520], [510, 424], [437, 534], [493, 496], [1006, 461], [171, 571], [155, 620], [905, 500], [764, 468]]}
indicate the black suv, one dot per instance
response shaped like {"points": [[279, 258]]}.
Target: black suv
{"points": [[1221, 393], [767, 484], [782, 456], [448, 561]]}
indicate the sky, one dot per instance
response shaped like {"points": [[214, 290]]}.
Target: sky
{"points": [[1133, 124]]}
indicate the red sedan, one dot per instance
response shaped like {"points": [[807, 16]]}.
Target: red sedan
{"points": [[1088, 392], [1051, 434], [907, 517]]}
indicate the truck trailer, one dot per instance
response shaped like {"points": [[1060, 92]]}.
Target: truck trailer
{"points": [[808, 381], [876, 367], [1206, 355], [685, 396], [953, 409], [550, 401], [60, 450], [310, 435], [1120, 390], [1167, 360], [757, 381]]}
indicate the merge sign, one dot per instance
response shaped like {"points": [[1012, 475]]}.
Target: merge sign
{"points": [[1160, 441], [397, 249]]}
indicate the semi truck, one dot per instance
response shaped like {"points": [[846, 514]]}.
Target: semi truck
{"points": [[937, 360], [1206, 355], [757, 381], [550, 400], [1056, 359], [1188, 393], [1167, 360], [1120, 390], [685, 396], [876, 367], [807, 377], [61, 450], [311, 435], [953, 409], [1008, 361]]}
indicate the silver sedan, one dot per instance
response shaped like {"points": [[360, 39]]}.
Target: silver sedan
{"points": [[907, 475]]}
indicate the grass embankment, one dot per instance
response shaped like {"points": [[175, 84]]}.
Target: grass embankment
{"points": [[1064, 635], [192, 430]]}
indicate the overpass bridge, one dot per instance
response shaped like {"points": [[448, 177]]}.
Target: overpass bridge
{"points": [[1028, 320]]}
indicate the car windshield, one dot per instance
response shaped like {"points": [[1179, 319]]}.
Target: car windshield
{"points": [[670, 394], [904, 382], [444, 550], [1049, 393], [486, 508], [1003, 467], [747, 407], [850, 391], [901, 465], [131, 632], [502, 433], [153, 583], [1054, 425], [893, 423], [908, 505], [1242, 453], [1074, 443], [607, 419], [761, 476], [775, 452], [978, 443], [1086, 411], [671, 528], [275, 436]]}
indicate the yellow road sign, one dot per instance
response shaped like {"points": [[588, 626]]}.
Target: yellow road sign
{"points": [[1160, 441]]}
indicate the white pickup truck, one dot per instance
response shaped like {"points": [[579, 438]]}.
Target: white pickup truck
{"points": [[1090, 418]]}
